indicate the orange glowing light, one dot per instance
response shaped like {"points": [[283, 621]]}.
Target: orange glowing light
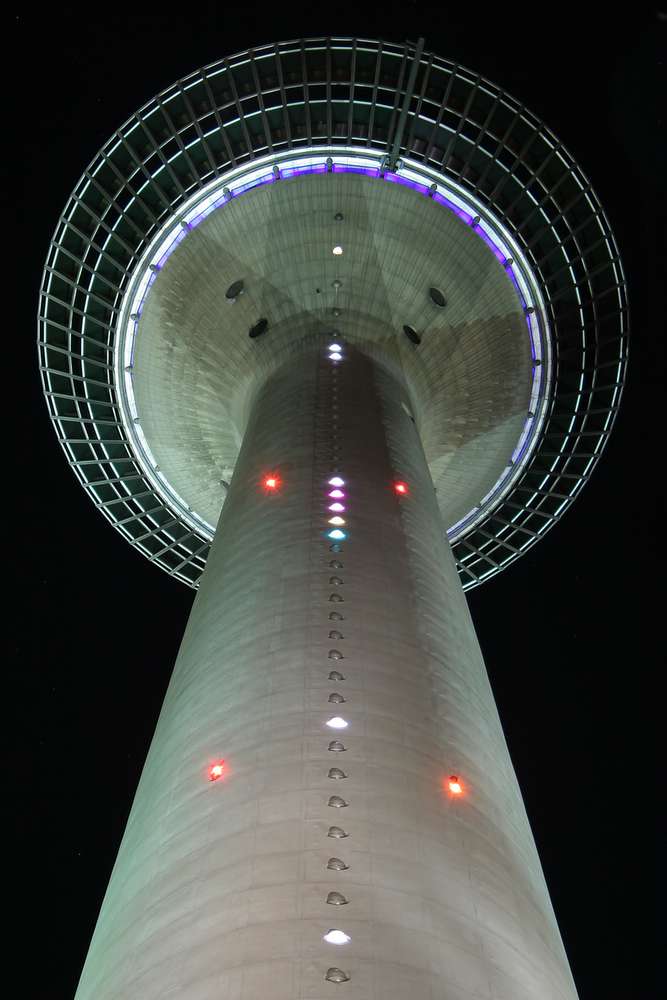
{"points": [[454, 785], [401, 488], [215, 771]]}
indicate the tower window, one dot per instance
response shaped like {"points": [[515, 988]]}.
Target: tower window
{"points": [[336, 802], [336, 865], [336, 899], [412, 335], [333, 974], [260, 327]]}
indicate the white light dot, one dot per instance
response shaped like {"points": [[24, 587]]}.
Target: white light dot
{"points": [[336, 481], [336, 520], [335, 356], [335, 347], [337, 723], [337, 251], [337, 937], [336, 506]]}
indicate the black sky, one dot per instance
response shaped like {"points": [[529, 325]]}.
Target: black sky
{"points": [[567, 632]]}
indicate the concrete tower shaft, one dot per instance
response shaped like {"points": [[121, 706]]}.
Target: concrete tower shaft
{"points": [[225, 889]]}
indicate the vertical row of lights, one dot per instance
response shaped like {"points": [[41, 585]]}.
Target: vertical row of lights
{"points": [[336, 502], [336, 495]]}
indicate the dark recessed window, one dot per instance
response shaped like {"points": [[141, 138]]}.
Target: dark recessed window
{"points": [[412, 335], [234, 290], [437, 297], [260, 327]]}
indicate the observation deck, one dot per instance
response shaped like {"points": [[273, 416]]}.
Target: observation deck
{"points": [[475, 259]]}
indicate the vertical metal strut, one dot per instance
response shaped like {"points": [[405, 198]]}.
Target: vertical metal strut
{"points": [[392, 156]]}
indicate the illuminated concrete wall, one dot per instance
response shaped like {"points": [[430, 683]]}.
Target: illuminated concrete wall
{"points": [[222, 889]]}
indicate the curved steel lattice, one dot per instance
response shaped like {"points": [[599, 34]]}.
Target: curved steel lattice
{"points": [[306, 94]]}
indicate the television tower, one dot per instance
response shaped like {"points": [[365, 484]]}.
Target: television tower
{"points": [[332, 331]]}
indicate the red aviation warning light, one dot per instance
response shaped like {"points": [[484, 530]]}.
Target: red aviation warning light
{"points": [[401, 488], [454, 784], [216, 770], [272, 482]]}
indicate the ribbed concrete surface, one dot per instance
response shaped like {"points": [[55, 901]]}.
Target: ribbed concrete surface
{"points": [[220, 889], [195, 367]]}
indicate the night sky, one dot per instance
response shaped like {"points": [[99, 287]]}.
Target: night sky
{"points": [[567, 631]]}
